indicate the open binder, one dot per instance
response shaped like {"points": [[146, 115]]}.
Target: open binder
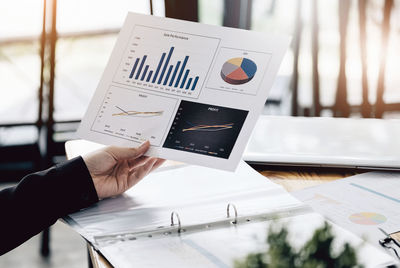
{"points": [[198, 195], [192, 216], [220, 244], [176, 226]]}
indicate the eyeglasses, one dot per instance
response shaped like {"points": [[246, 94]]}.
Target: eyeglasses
{"points": [[388, 242]]}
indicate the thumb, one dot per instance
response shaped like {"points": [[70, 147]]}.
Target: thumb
{"points": [[122, 153]]}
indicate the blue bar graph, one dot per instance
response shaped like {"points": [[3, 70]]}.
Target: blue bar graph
{"points": [[141, 66], [158, 68], [165, 65], [148, 77], [173, 75], [188, 83], [181, 71], [184, 78], [195, 82], [134, 67], [144, 72], [169, 72]]}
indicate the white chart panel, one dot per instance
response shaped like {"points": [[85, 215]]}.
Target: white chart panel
{"points": [[239, 71], [133, 115], [166, 61]]}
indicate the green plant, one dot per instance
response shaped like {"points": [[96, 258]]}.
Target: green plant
{"points": [[317, 252]]}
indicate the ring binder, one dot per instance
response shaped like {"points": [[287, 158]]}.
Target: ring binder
{"points": [[234, 209], [221, 223], [179, 221]]}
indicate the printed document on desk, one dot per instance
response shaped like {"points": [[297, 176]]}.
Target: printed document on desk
{"points": [[360, 203], [135, 228], [198, 194], [194, 91], [220, 247]]}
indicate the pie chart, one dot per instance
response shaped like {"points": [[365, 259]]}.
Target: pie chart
{"points": [[237, 71], [367, 218]]}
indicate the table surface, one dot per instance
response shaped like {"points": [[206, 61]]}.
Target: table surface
{"points": [[291, 178]]}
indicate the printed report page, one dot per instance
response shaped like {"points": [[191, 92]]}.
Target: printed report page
{"points": [[194, 91]]}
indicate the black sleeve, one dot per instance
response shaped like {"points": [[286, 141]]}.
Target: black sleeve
{"points": [[41, 198]]}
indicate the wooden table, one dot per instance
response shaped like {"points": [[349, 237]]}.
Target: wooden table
{"points": [[291, 178]]}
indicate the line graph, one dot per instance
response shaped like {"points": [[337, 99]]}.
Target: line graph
{"points": [[137, 113], [208, 127], [134, 115], [209, 134]]}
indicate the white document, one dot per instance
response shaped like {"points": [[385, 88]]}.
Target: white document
{"points": [[219, 248], [198, 194], [360, 203], [194, 91]]}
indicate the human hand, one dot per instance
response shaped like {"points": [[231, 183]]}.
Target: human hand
{"points": [[116, 169]]}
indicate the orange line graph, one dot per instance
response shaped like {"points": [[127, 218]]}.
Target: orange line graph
{"points": [[209, 127], [127, 113], [137, 113]]}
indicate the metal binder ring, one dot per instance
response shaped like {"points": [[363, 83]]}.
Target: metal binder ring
{"points": [[179, 221], [234, 209]]}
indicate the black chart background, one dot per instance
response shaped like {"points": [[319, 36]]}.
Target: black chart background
{"points": [[213, 143]]}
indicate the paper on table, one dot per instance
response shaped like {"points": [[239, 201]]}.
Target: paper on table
{"points": [[194, 91], [198, 194], [360, 203], [220, 247]]}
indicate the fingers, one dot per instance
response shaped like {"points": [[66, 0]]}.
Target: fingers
{"points": [[134, 163], [121, 153], [142, 160], [140, 172], [158, 163]]}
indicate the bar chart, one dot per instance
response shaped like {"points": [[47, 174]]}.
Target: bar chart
{"points": [[178, 64], [178, 79]]}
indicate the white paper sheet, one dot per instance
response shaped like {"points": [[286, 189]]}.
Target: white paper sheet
{"points": [[194, 91], [360, 203], [220, 247], [198, 194]]}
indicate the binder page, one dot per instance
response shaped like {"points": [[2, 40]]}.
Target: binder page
{"points": [[194, 91], [198, 194], [220, 247], [361, 203]]}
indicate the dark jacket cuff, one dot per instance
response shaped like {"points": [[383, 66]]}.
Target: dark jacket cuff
{"points": [[75, 185], [41, 198]]}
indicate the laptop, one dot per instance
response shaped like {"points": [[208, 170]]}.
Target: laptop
{"points": [[325, 142]]}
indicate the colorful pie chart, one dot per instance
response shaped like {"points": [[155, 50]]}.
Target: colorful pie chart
{"points": [[367, 218], [237, 71]]}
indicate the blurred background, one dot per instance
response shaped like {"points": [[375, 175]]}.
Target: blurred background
{"points": [[343, 62]]}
